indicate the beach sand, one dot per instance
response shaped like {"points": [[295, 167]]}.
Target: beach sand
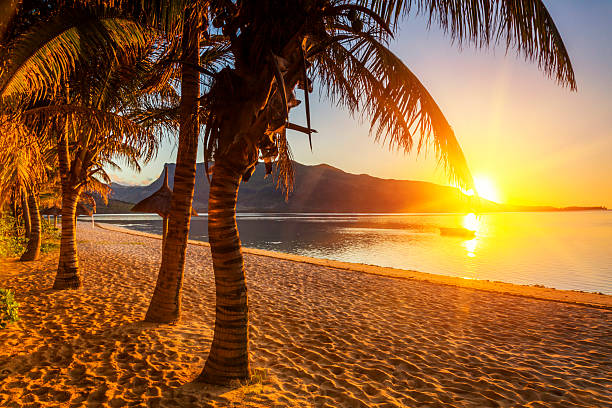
{"points": [[320, 337]]}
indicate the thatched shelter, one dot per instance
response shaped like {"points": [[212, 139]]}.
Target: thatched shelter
{"points": [[159, 203], [83, 210], [52, 211]]}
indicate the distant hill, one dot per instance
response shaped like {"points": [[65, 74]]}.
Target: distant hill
{"points": [[113, 206], [320, 188], [323, 188]]}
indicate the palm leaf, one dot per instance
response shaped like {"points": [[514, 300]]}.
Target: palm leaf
{"points": [[43, 59], [525, 25], [113, 129], [364, 76]]}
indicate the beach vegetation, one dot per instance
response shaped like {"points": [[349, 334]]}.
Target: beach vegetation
{"points": [[50, 237], [9, 308], [241, 67], [12, 242], [253, 385], [279, 50], [24, 169], [75, 77]]}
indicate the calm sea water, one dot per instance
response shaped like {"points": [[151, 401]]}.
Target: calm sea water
{"points": [[571, 250]]}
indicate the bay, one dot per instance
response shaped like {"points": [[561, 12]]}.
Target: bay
{"points": [[563, 250]]}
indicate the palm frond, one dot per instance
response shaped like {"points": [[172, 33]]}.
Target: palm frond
{"points": [[525, 25], [42, 59], [24, 161], [113, 130], [94, 186], [364, 76], [284, 173]]}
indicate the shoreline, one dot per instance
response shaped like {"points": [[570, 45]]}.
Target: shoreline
{"points": [[320, 337], [589, 299]]}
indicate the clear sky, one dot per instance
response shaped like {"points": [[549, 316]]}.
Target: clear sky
{"points": [[536, 142]]}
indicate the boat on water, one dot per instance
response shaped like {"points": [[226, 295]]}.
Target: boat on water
{"points": [[457, 232]]}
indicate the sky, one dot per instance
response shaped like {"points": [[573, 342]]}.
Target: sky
{"points": [[534, 141]]}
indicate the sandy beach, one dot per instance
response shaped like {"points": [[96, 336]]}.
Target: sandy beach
{"points": [[321, 336]]}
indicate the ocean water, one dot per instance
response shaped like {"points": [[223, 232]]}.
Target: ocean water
{"points": [[563, 250]]}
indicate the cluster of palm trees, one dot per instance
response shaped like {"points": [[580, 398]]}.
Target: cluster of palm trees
{"points": [[85, 85]]}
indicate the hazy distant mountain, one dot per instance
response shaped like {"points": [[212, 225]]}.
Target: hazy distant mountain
{"points": [[323, 188], [320, 188]]}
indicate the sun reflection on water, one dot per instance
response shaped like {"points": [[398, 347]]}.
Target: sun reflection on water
{"points": [[471, 222], [470, 247]]}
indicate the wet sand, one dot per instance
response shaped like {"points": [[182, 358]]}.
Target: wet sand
{"points": [[321, 336]]}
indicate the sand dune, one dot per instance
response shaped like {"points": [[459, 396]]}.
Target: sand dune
{"points": [[321, 337]]}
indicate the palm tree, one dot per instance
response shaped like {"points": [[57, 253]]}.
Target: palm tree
{"points": [[165, 304], [87, 64], [94, 132], [25, 209], [275, 46], [24, 166], [278, 46]]}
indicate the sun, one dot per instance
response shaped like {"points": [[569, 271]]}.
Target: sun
{"points": [[486, 189]]}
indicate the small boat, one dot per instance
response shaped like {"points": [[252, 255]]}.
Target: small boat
{"points": [[457, 232]]}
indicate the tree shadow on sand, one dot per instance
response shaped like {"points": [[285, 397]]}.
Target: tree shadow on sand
{"points": [[134, 363]]}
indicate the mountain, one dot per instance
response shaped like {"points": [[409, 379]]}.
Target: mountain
{"points": [[322, 188], [113, 206]]}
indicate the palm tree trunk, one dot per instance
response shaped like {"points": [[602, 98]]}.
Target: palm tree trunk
{"points": [[68, 276], [229, 354], [54, 221], [25, 210], [164, 230], [165, 306], [33, 249]]}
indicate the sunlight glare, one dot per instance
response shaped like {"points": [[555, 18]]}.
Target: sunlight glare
{"points": [[470, 247], [486, 189], [471, 222]]}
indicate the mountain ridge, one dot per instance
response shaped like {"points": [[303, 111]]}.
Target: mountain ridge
{"points": [[327, 189]]}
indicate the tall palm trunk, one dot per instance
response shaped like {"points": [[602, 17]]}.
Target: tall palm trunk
{"points": [[165, 306], [229, 354], [33, 249], [68, 276], [25, 210]]}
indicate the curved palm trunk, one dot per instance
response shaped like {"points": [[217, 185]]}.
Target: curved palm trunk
{"points": [[25, 210], [33, 249], [68, 276], [229, 353], [165, 306]]}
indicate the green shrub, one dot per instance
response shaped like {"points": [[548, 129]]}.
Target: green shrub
{"points": [[8, 308], [12, 241], [50, 237]]}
